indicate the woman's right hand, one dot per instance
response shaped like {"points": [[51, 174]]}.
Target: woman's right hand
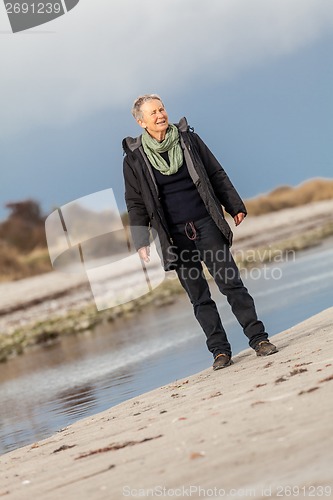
{"points": [[144, 253]]}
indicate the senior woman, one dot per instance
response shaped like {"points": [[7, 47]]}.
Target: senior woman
{"points": [[174, 184]]}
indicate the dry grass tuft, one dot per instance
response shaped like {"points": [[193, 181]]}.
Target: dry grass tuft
{"points": [[289, 197], [14, 265]]}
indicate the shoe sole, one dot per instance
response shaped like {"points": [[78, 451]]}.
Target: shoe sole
{"points": [[273, 351], [224, 366]]}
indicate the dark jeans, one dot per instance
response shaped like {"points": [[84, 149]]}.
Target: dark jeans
{"points": [[208, 245]]}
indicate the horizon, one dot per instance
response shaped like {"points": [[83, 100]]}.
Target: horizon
{"points": [[250, 199]]}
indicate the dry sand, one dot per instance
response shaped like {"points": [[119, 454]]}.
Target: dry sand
{"points": [[252, 430]]}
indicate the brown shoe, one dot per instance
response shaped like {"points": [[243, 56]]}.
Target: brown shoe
{"points": [[265, 348], [222, 361]]}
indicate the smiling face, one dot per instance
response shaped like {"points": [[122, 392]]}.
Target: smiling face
{"points": [[154, 119]]}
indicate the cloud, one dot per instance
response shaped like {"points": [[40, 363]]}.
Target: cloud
{"points": [[102, 54]]}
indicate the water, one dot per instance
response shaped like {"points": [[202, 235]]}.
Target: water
{"points": [[48, 389]]}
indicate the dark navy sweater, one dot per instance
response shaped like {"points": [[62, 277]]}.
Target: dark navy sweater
{"points": [[179, 196]]}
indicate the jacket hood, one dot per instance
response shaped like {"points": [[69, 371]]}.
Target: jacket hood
{"points": [[132, 143]]}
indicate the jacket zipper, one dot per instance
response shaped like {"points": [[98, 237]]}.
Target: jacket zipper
{"points": [[166, 229], [199, 180]]}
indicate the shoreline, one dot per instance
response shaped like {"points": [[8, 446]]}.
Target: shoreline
{"points": [[39, 311], [270, 428]]}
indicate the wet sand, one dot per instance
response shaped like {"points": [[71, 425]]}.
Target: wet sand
{"points": [[253, 430]]}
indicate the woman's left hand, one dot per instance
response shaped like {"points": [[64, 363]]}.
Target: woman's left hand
{"points": [[239, 218]]}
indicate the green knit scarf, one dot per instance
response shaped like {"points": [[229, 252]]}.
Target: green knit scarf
{"points": [[171, 143]]}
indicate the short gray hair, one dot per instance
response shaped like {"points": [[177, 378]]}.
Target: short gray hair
{"points": [[139, 101]]}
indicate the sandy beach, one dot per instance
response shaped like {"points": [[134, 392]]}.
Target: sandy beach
{"points": [[260, 428]]}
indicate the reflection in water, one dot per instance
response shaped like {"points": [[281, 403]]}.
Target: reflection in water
{"points": [[48, 389], [73, 400]]}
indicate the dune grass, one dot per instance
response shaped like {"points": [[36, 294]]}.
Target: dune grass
{"points": [[15, 265], [288, 197]]}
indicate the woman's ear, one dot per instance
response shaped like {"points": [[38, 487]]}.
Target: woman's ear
{"points": [[142, 124]]}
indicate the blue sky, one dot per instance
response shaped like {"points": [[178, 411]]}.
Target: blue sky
{"points": [[254, 78]]}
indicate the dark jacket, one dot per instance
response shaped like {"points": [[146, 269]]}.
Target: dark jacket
{"points": [[142, 198]]}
